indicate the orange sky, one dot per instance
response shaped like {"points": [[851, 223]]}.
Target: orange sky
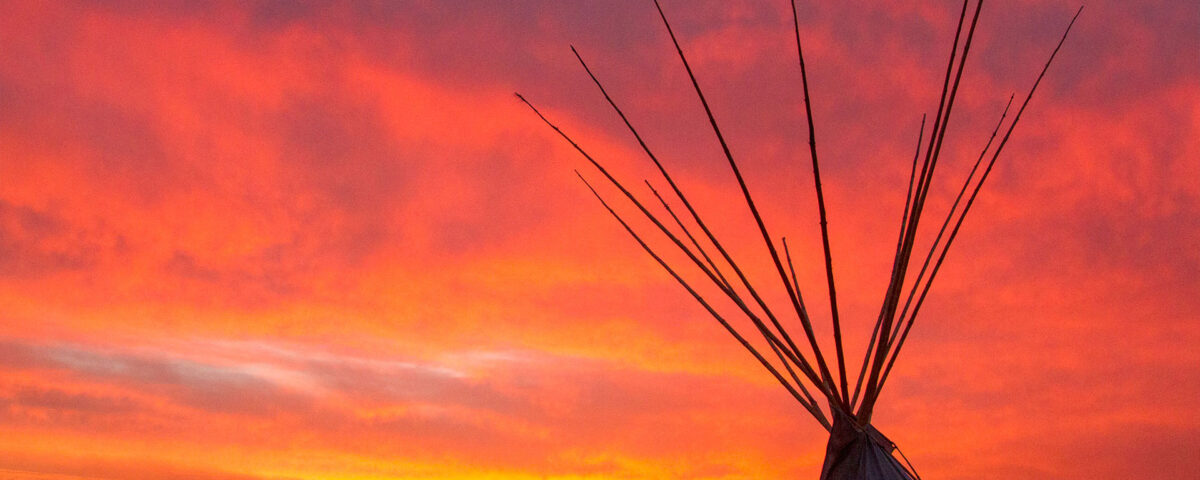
{"points": [[325, 242]]}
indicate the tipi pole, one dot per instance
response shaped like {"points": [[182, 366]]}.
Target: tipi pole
{"points": [[983, 178], [912, 173], [812, 408], [812, 147], [796, 354], [771, 337], [688, 233], [940, 126], [941, 231], [757, 217]]}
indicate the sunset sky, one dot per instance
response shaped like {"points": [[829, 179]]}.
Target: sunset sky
{"points": [[274, 240]]}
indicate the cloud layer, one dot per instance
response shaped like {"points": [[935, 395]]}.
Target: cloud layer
{"points": [[324, 241]]}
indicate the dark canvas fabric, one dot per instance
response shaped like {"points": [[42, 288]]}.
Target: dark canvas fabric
{"points": [[860, 453]]}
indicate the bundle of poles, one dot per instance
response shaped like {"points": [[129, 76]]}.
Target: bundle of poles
{"points": [[803, 371]]}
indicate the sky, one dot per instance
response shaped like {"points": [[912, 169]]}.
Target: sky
{"points": [[276, 240]]}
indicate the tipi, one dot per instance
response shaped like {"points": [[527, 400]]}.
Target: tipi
{"points": [[856, 450]]}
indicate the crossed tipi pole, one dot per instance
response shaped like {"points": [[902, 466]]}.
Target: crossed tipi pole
{"points": [[856, 450]]}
